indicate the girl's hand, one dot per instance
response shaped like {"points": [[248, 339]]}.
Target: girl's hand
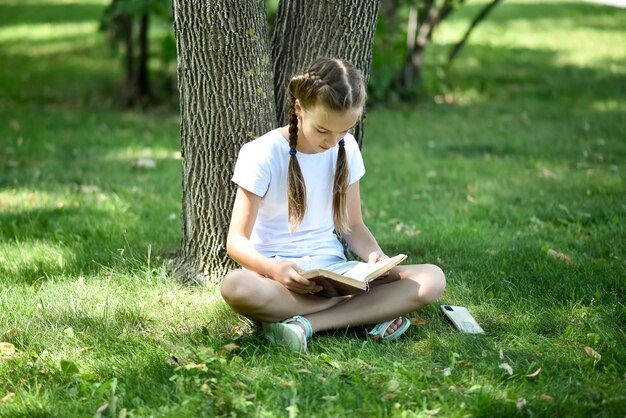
{"points": [[375, 257], [287, 273]]}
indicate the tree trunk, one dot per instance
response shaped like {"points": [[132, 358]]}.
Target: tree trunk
{"points": [[126, 22], [432, 15], [143, 80], [226, 99], [307, 29]]}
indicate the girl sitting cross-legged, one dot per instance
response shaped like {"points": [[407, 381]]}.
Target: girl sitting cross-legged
{"points": [[297, 187]]}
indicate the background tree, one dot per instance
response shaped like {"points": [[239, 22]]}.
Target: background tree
{"points": [[227, 97], [399, 54], [127, 24]]}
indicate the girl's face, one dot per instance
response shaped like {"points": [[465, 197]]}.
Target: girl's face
{"points": [[320, 129]]}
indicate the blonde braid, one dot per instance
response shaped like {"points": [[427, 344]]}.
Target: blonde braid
{"points": [[340, 191], [296, 189]]}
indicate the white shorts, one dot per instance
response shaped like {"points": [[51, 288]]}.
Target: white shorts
{"points": [[314, 262]]}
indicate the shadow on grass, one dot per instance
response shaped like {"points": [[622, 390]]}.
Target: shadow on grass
{"points": [[14, 14], [60, 242]]}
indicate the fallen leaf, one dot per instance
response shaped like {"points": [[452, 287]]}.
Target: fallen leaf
{"points": [[329, 360], [432, 412], [592, 353], [506, 367], [89, 188], [303, 371], [144, 163], [8, 396], [501, 354], [521, 403], [471, 199], [205, 388], [7, 351], [547, 174], [193, 366], [416, 320], [557, 255], [239, 330], [231, 347], [393, 385], [388, 396], [102, 408], [293, 410], [12, 332], [447, 371], [241, 385], [535, 373], [330, 398], [412, 232], [544, 397]]}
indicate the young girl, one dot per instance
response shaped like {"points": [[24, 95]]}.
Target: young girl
{"points": [[297, 187]]}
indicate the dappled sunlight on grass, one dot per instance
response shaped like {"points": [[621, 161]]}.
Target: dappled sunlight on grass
{"points": [[135, 155], [17, 36], [609, 105], [43, 257], [71, 198], [510, 177]]}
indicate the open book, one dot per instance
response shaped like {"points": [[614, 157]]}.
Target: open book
{"points": [[350, 277]]}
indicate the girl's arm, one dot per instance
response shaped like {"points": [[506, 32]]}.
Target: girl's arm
{"points": [[360, 239], [241, 250]]}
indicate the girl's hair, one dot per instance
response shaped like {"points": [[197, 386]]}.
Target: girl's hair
{"points": [[337, 85]]}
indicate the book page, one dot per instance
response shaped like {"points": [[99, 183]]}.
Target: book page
{"points": [[362, 270], [341, 268]]}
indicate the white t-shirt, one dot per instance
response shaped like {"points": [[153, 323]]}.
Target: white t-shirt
{"points": [[262, 168]]}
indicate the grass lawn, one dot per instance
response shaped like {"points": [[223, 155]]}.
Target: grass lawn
{"points": [[511, 179]]}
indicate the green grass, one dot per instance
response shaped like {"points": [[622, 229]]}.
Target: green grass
{"points": [[522, 152]]}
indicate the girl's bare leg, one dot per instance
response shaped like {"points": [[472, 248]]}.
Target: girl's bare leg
{"points": [[406, 289], [266, 300]]}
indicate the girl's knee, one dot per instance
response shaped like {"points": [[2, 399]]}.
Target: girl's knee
{"points": [[240, 291], [432, 282], [234, 288]]}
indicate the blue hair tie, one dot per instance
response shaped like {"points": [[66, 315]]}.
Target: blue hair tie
{"points": [[342, 142], [292, 151]]}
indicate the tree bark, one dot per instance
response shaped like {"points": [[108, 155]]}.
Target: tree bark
{"points": [[307, 29], [431, 17], [143, 80], [226, 99]]}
